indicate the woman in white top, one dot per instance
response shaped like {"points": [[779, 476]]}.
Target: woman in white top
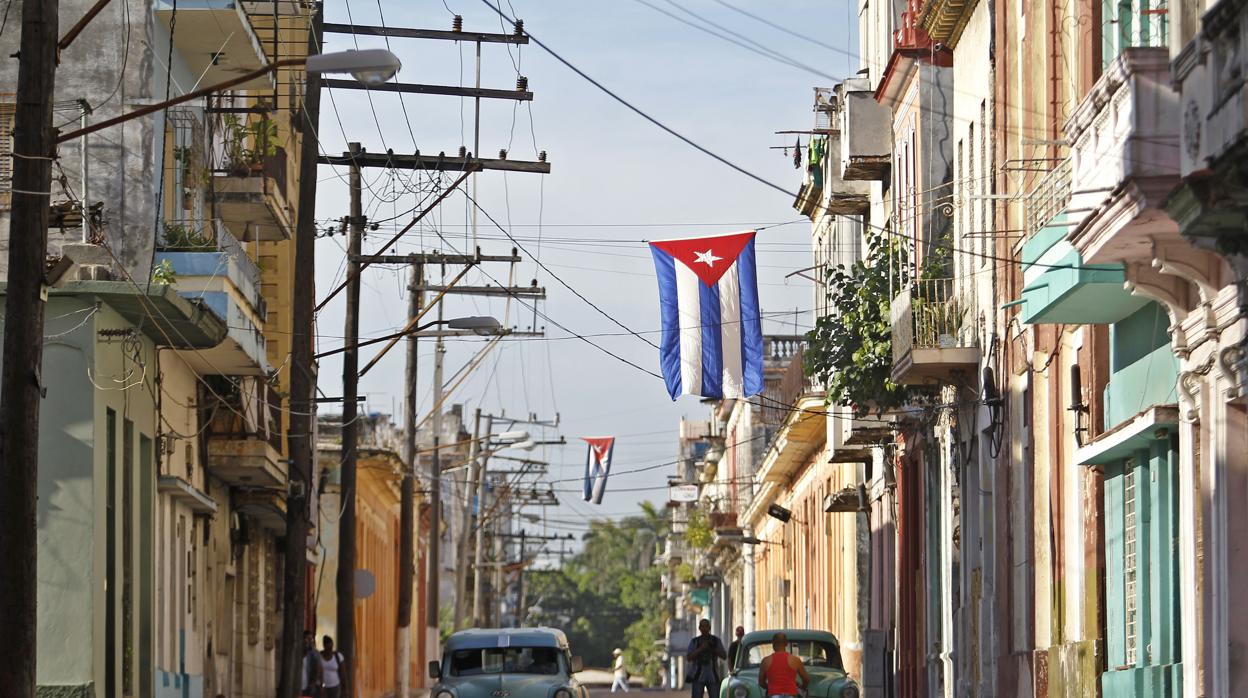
{"points": [[621, 673], [332, 666]]}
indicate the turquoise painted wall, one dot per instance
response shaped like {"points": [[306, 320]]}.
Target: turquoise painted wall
{"points": [[1144, 370]]}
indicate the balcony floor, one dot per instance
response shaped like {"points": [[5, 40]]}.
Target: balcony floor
{"points": [[934, 365]]}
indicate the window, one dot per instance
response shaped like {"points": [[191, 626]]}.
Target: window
{"points": [[1130, 561], [8, 109], [127, 557], [1131, 23], [812, 653], [509, 660]]}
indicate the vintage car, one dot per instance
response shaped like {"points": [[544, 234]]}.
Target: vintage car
{"points": [[820, 652], [507, 663]]}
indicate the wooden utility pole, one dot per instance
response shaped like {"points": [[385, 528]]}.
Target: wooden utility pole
{"points": [[20, 384], [350, 436], [407, 501], [461, 551], [302, 386], [432, 592]]}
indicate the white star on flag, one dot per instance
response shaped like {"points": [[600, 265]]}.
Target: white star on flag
{"points": [[708, 258]]}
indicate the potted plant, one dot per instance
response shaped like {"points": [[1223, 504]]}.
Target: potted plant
{"points": [[248, 144]]}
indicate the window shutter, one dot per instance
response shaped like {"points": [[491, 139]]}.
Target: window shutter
{"points": [[8, 109]]}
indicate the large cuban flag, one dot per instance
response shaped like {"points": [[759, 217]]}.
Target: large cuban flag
{"points": [[712, 333], [597, 466]]}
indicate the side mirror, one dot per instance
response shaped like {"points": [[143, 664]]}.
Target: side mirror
{"points": [[435, 670], [577, 664]]}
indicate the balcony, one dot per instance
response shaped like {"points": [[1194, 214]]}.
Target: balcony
{"points": [[225, 280], [216, 40], [1058, 285], [932, 334], [244, 432], [253, 204], [851, 436], [944, 20], [866, 133], [267, 508]]}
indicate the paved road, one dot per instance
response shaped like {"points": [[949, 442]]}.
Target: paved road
{"points": [[605, 692]]}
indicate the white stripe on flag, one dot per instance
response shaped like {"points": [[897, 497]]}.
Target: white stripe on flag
{"points": [[690, 310], [730, 332]]}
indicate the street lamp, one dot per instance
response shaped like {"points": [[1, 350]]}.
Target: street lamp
{"points": [[475, 323], [370, 66]]}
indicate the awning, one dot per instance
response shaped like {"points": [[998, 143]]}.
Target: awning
{"points": [[1133, 435]]}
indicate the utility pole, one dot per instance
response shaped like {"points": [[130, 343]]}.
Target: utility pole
{"points": [[520, 582], [20, 384], [350, 434], [302, 385], [407, 501], [432, 592], [461, 552], [478, 581]]}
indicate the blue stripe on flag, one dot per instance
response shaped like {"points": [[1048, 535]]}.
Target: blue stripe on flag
{"points": [[669, 307], [587, 491], [712, 343], [751, 322], [600, 487]]}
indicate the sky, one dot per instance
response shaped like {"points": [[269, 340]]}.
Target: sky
{"points": [[616, 181]]}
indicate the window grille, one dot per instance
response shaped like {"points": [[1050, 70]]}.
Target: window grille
{"points": [[1129, 560]]}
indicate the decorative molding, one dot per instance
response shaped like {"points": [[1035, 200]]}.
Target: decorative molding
{"points": [[945, 20], [1190, 384]]}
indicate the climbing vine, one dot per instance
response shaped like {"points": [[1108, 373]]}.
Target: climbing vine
{"points": [[850, 349]]}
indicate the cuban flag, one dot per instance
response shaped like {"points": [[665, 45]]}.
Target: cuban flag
{"points": [[597, 466], [712, 332]]}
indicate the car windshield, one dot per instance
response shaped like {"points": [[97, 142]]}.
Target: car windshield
{"points": [[813, 653], [505, 660]]}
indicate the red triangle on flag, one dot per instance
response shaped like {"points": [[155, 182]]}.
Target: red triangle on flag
{"points": [[708, 257], [600, 444]]}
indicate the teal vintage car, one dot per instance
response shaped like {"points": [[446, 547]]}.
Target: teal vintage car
{"points": [[820, 652], [507, 663]]}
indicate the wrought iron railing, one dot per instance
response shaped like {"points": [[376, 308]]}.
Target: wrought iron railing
{"points": [[927, 315], [1049, 197], [239, 416], [780, 397]]}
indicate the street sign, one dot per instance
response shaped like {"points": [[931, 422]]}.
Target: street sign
{"points": [[684, 493], [365, 584]]}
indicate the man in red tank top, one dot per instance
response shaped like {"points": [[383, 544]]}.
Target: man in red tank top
{"points": [[778, 673]]}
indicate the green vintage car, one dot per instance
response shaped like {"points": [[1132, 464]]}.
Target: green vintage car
{"points": [[820, 652], [507, 663]]}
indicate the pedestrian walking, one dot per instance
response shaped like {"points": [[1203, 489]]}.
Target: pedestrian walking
{"points": [[704, 654], [778, 673], [621, 672], [734, 649], [310, 675], [332, 666]]}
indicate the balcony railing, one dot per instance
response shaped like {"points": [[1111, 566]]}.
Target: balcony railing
{"points": [[928, 338], [239, 416], [1049, 197], [780, 397], [928, 315]]}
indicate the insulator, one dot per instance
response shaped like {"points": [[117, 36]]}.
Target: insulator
{"points": [[541, 157], [502, 154], [522, 83], [463, 151], [457, 24], [519, 27]]}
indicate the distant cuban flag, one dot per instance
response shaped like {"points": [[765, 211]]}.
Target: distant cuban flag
{"points": [[597, 466], [712, 332]]}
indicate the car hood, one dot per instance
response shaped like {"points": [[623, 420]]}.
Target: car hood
{"points": [[515, 685]]}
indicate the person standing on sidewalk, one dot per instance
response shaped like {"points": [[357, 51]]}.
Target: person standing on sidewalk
{"points": [[621, 673], [734, 649], [704, 654], [778, 673], [310, 683], [332, 665]]}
